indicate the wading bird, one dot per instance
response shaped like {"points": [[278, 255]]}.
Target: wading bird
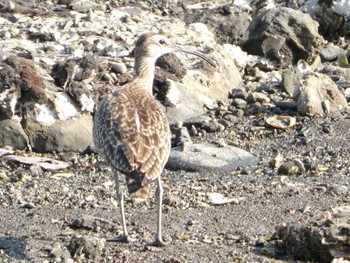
{"points": [[131, 131]]}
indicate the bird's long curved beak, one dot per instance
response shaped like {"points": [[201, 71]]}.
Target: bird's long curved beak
{"points": [[196, 53]]}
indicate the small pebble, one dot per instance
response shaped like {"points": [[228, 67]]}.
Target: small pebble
{"points": [[119, 68], [28, 205]]}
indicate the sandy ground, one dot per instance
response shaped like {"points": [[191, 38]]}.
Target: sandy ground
{"points": [[39, 212]]}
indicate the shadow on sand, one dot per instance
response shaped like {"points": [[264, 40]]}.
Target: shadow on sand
{"points": [[13, 247]]}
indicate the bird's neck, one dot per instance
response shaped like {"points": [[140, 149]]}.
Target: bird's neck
{"points": [[144, 69]]}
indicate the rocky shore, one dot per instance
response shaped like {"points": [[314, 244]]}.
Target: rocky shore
{"points": [[259, 170]]}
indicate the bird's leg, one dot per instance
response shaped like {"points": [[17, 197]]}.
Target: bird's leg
{"points": [[125, 237], [159, 239], [159, 194]]}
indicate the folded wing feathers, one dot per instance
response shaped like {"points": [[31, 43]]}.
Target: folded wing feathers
{"points": [[137, 135]]}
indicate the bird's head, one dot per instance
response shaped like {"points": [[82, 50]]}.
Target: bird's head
{"points": [[154, 45]]}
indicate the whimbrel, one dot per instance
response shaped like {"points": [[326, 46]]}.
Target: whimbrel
{"points": [[131, 131]]}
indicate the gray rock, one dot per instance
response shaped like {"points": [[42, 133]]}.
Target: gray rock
{"points": [[341, 190], [237, 112], [328, 16], [290, 80], [319, 95], [239, 94], [289, 25], [228, 121], [93, 223], [71, 135], [347, 94], [258, 97], [196, 121], [28, 205], [337, 71], [205, 87], [341, 8], [83, 6], [212, 126], [254, 108], [204, 157], [226, 24], [173, 201], [331, 52], [181, 136], [90, 247], [286, 105], [3, 175], [119, 68], [60, 254], [291, 168], [12, 134], [239, 103]]}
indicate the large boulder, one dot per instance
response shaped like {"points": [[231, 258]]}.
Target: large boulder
{"points": [[12, 134], [201, 87], [71, 135], [319, 96], [284, 36]]}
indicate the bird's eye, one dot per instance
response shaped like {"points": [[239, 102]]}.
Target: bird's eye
{"points": [[162, 41]]}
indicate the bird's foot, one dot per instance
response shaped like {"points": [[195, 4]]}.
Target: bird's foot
{"points": [[159, 242], [123, 238]]}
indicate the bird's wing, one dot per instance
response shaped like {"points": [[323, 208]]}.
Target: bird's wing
{"points": [[137, 134], [107, 137]]}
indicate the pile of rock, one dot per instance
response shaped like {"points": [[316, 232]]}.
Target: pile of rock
{"points": [[59, 59], [321, 239], [56, 67]]}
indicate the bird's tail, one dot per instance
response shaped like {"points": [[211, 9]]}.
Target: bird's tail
{"points": [[138, 192]]}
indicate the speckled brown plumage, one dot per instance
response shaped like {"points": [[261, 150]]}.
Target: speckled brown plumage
{"points": [[131, 131], [133, 135]]}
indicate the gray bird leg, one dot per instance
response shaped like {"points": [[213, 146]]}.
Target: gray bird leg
{"points": [[159, 194], [120, 196], [159, 239]]}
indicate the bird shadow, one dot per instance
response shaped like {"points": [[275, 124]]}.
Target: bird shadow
{"points": [[13, 247]]}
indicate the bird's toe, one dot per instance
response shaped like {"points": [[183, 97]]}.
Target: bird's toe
{"points": [[159, 242], [125, 239]]}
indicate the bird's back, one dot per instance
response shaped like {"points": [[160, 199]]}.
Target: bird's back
{"points": [[132, 134]]}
